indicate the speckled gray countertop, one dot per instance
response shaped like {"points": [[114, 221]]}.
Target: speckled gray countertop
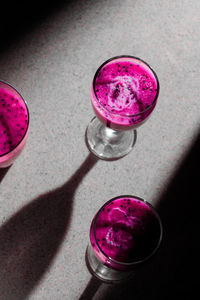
{"points": [[45, 211]]}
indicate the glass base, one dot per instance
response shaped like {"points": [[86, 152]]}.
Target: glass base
{"points": [[107, 143], [101, 271]]}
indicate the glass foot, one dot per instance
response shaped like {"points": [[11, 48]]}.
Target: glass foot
{"points": [[101, 271], [109, 144]]}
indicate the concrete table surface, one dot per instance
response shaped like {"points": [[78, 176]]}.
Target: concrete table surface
{"points": [[50, 194]]}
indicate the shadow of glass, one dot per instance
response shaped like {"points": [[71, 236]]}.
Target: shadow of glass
{"points": [[172, 271], [30, 239], [3, 173], [91, 289]]}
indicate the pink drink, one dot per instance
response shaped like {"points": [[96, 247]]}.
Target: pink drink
{"points": [[124, 92], [14, 121], [125, 232]]}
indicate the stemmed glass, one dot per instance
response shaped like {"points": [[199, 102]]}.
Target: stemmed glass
{"points": [[124, 93], [124, 233], [14, 124]]}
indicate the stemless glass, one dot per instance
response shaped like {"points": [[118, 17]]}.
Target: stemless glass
{"points": [[124, 93], [124, 233], [14, 124]]}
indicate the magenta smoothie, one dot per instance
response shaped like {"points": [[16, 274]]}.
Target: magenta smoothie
{"points": [[125, 232], [14, 119], [124, 92]]}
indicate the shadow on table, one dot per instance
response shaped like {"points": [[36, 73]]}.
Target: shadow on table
{"points": [[173, 269], [30, 239], [18, 18], [3, 172], [91, 289]]}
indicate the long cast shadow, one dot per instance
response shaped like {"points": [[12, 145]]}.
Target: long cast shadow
{"points": [[19, 18], [173, 271], [30, 239]]}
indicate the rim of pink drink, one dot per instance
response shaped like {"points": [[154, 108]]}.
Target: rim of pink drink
{"points": [[140, 61], [129, 264], [7, 86]]}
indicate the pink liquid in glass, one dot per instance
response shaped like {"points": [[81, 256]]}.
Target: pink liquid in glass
{"points": [[125, 231], [14, 121], [124, 92]]}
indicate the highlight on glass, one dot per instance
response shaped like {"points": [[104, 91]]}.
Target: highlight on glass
{"points": [[124, 233], [14, 124], [124, 93]]}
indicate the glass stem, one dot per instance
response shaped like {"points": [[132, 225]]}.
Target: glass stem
{"points": [[110, 136]]}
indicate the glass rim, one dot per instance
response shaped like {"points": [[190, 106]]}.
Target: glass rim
{"points": [[28, 114], [159, 221], [142, 61]]}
